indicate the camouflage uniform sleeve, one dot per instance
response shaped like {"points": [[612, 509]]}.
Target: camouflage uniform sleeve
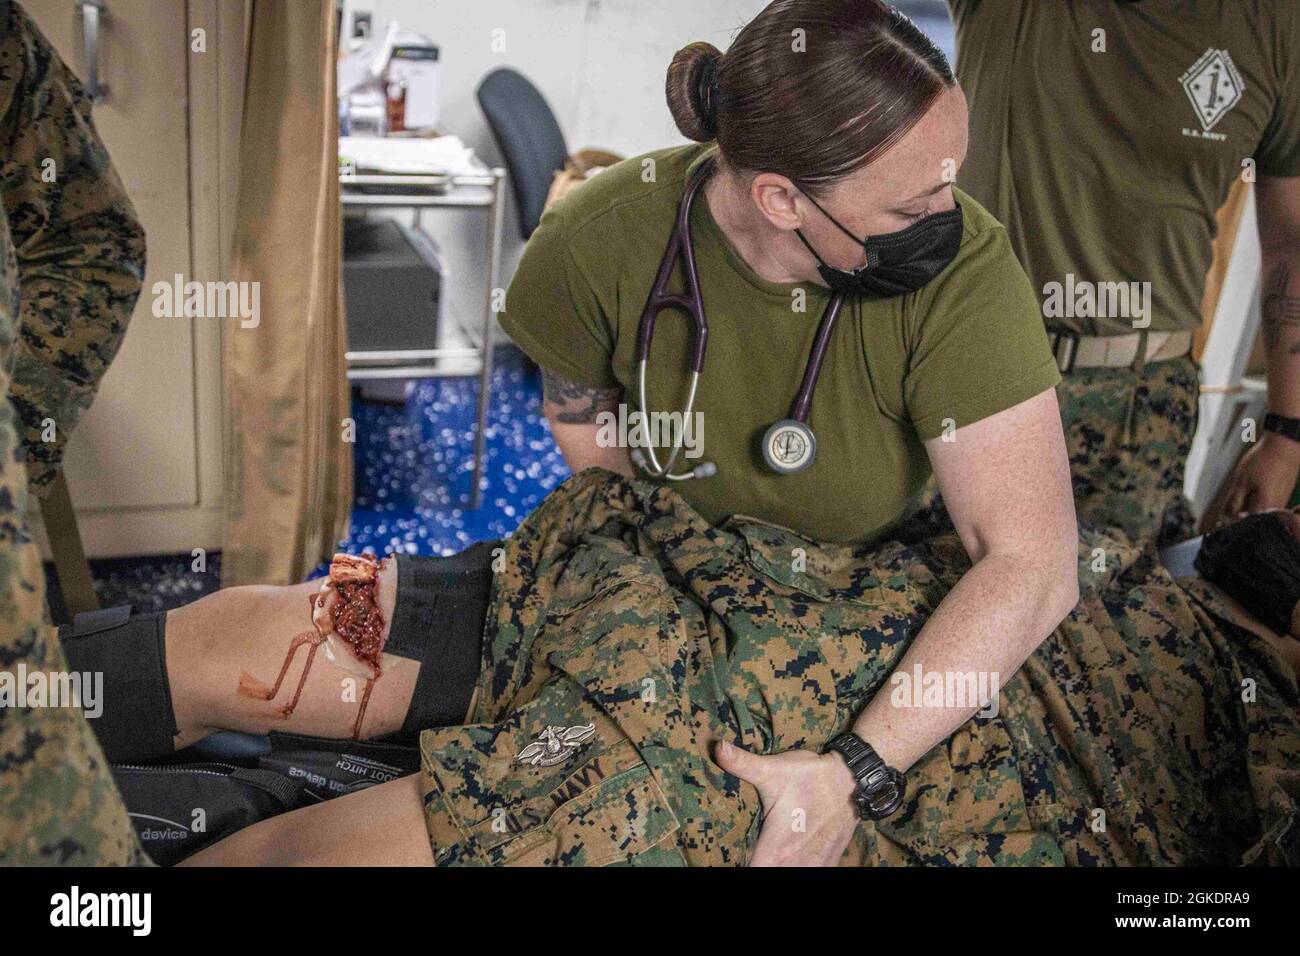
{"points": [[58, 802], [80, 250]]}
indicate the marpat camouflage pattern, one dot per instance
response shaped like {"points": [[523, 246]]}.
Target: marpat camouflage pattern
{"points": [[73, 260], [1125, 739]]}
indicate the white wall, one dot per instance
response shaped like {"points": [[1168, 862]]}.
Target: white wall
{"points": [[600, 64]]}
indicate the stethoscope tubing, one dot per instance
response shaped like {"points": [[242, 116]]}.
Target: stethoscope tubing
{"points": [[691, 302], [802, 404], [655, 468]]}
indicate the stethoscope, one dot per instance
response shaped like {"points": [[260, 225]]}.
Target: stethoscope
{"points": [[789, 445]]}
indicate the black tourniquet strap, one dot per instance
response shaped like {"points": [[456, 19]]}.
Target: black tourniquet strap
{"points": [[137, 722], [439, 619]]}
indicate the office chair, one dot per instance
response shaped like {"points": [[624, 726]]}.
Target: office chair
{"points": [[529, 137]]}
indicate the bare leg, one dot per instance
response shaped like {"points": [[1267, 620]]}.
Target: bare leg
{"points": [[217, 642], [250, 686], [381, 826]]}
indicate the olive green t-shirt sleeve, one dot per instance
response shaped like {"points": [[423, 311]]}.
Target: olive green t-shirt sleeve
{"points": [[553, 311], [977, 345], [1278, 153]]}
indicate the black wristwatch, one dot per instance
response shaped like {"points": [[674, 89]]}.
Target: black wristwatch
{"points": [[1287, 427], [880, 787]]}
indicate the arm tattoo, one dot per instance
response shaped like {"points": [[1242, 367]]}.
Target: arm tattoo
{"points": [[1279, 309], [576, 404]]}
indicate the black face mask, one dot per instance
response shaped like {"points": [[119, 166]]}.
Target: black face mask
{"points": [[897, 263]]}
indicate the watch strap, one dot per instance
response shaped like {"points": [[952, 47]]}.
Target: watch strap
{"points": [[880, 788]]}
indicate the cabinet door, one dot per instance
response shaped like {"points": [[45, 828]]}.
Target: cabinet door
{"points": [[137, 445]]}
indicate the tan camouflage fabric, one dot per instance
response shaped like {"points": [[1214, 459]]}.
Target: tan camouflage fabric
{"points": [[626, 636], [72, 261], [79, 247], [1128, 435]]}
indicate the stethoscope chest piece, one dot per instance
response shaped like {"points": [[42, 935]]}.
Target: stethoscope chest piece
{"points": [[789, 446]]}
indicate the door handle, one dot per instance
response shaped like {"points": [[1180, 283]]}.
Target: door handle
{"points": [[92, 28]]}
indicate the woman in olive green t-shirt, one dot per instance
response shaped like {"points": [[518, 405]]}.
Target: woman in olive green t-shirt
{"points": [[857, 131], [951, 374]]}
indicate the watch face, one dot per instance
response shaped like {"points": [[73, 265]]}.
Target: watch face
{"points": [[881, 798]]}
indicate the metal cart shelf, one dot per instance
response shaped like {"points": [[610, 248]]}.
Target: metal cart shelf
{"points": [[418, 194]]}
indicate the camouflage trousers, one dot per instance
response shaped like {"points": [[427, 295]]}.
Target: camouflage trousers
{"points": [[58, 803], [627, 636], [1128, 436]]}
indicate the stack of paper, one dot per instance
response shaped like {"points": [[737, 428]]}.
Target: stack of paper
{"points": [[399, 156]]}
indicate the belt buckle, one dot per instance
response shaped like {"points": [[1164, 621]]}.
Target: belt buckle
{"points": [[1056, 336]]}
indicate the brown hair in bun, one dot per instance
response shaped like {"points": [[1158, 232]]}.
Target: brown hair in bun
{"points": [[691, 86], [810, 89]]}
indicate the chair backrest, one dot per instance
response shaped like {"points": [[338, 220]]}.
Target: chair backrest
{"points": [[529, 137]]}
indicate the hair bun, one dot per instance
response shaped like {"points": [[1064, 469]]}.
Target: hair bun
{"points": [[692, 91]]}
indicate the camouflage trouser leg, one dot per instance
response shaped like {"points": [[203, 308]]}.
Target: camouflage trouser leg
{"points": [[1128, 435], [58, 803], [627, 636]]}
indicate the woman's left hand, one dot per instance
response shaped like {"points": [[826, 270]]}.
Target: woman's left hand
{"points": [[808, 813]]}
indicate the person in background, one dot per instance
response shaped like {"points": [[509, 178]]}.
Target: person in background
{"points": [[71, 266], [1105, 135]]}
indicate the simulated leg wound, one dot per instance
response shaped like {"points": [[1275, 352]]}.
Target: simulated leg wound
{"points": [[346, 619]]}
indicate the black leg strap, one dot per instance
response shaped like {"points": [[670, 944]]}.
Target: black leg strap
{"points": [[439, 619], [137, 722]]}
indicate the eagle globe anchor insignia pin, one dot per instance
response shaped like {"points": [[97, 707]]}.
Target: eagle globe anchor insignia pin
{"points": [[555, 745]]}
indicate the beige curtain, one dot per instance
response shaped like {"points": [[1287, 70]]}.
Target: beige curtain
{"points": [[288, 456]]}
